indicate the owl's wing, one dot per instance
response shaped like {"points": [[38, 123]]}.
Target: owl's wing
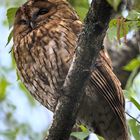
{"points": [[106, 83], [104, 72]]}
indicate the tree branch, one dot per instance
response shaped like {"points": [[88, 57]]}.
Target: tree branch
{"points": [[89, 45]]}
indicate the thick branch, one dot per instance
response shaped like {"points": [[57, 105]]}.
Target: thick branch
{"points": [[89, 45]]}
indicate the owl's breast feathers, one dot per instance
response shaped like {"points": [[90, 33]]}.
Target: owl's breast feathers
{"points": [[43, 58]]}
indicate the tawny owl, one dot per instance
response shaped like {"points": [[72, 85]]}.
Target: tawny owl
{"points": [[45, 36]]}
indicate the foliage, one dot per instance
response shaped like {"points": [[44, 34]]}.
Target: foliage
{"points": [[121, 26], [118, 29], [15, 129], [10, 15], [81, 135], [81, 7], [114, 3], [135, 128], [133, 64], [4, 83]]}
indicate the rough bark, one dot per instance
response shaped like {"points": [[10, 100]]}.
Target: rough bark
{"points": [[89, 45]]}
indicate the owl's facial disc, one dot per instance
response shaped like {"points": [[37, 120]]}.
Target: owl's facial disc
{"points": [[35, 13], [32, 15]]}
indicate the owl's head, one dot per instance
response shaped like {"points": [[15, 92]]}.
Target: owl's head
{"points": [[35, 13]]}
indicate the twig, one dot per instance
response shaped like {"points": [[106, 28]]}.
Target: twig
{"points": [[133, 117]]}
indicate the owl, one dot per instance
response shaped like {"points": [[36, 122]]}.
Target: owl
{"points": [[45, 35]]}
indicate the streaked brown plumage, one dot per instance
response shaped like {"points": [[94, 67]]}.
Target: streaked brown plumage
{"points": [[45, 36]]}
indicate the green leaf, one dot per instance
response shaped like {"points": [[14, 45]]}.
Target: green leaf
{"points": [[3, 85], [135, 102], [129, 93], [135, 128], [9, 134], [81, 11], [82, 3], [13, 62], [133, 20], [80, 135], [11, 15], [133, 64], [114, 4], [83, 128], [133, 14], [130, 79], [112, 31], [9, 37], [100, 138], [81, 6]]}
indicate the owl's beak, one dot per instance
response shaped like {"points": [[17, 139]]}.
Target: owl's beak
{"points": [[32, 24]]}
